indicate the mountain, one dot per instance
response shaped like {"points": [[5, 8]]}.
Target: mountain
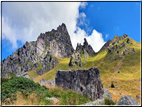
{"points": [[118, 61], [38, 57]]}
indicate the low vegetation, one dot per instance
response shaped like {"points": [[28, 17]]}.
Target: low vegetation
{"points": [[109, 102], [23, 91], [125, 82]]}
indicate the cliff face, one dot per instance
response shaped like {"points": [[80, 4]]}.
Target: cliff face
{"points": [[85, 82], [39, 55], [58, 41]]}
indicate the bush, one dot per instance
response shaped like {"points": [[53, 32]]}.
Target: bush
{"points": [[4, 80], [112, 85], [31, 91], [24, 85], [109, 102]]}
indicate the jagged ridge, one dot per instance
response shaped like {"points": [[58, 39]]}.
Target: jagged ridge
{"points": [[38, 56]]}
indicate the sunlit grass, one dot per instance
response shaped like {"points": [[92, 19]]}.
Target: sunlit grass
{"points": [[33, 73], [126, 81]]}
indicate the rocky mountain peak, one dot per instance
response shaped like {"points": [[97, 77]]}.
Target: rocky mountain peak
{"points": [[85, 42], [39, 55], [62, 28], [118, 47], [86, 47]]}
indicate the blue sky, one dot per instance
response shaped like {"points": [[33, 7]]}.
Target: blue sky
{"points": [[97, 21], [114, 18]]}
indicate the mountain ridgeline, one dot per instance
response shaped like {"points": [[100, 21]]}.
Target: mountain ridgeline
{"points": [[52, 61], [39, 56]]}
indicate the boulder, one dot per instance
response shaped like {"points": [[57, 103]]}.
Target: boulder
{"points": [[85, 82], [101, 101], [127, 100]]}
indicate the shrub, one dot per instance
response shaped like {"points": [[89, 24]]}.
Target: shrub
{"points": [[24, 85], [36, 94], [70, 63], [4, 80], [112, 85], [109, 102]]}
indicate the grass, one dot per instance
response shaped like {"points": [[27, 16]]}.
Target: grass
{"points": [[68, 97], [23, 91], [125, 82], [33, 73]]}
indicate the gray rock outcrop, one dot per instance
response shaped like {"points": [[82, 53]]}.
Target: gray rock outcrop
{"points": [[39, 55], [86, 47], [101, 101], [85, 82], [75, 59], [118, 47], [127, 100]]}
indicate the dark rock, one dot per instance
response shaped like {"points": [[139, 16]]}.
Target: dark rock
{"points": [[85, 82], [138, 97], [40, 72], [127, 100], [75, 59], [101, 101], [125, 35], [113, 43], [106, 45], [128, 51], [86, 47]]}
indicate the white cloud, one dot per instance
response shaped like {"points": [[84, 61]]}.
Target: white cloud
{"points": [[8, 33], [96, 40], [83, 4], [82, 15], [24, 21]]}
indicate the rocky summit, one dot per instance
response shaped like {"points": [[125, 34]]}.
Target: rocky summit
{"points": [[85, 82], [85, 48], [75, 59], [118, 47], [39, 56]]}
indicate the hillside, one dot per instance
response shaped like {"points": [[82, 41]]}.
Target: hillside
{"points": [[37, 57], [118, 62], [124, 71]]}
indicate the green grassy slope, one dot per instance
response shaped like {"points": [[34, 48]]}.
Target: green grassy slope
{"points": [[126, 82]]}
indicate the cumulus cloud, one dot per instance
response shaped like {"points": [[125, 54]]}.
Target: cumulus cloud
{"points": [[24, 21], [96, 40]]}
